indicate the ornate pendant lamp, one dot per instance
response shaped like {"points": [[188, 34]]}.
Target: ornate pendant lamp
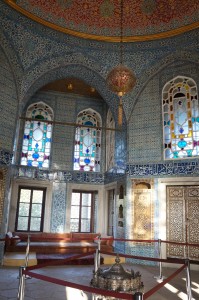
{"points": [[121, 79]]}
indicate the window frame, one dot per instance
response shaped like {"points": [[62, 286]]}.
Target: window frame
{"points": [[38, 117], [178, 145], [90, 160], [92, 217], [20, 187]]}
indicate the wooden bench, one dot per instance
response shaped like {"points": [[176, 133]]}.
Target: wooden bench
{"points": [[47, 242]]}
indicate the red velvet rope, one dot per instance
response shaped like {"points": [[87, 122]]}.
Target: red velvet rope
{"points": [[62, 261], [78, 286], [32, 238], [147, 241], [101, 291], [173, 260], [97, 290], [157, 287]]}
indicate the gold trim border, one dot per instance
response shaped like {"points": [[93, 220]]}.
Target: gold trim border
{"points": [[139, 38]]}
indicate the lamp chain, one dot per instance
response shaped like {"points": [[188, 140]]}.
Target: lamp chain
{"points": [[121, 32]]}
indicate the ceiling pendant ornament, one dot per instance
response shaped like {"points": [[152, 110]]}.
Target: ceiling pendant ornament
{"points": [[121, 79]]}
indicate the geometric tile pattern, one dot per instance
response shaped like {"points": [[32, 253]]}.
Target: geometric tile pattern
{"points": [[58, 207]]}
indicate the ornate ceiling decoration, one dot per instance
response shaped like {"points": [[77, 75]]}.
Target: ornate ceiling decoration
{"points": [[99, 19]]}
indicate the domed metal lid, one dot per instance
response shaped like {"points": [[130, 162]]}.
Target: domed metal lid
{"points": [[116, 271]]}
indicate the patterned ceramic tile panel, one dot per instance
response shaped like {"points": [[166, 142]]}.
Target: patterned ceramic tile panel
{"points": [[2, 192], [145, 126], [2, 244], [58, 207], [8, 104], [59, 176]]}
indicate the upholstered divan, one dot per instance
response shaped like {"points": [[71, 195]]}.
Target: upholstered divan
{"points": [[46, 242]]}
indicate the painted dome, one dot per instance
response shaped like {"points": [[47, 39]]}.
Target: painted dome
{"points": [[100, 19]]}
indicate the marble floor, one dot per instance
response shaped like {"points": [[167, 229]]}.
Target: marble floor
{"points": [[42, 290]]}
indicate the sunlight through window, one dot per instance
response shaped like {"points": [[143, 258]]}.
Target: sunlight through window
{"points": [[196, 288], [183, 296], [72, 294], [171, 288]]}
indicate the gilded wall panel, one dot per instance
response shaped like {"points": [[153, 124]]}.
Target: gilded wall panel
{"points": [[143, 215]]}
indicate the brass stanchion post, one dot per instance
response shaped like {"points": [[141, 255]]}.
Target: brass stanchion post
{"points": [[138, 296], [188, 280], [21, 288], [160, 277]]}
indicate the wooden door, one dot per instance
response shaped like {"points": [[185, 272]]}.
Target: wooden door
{"points": [[183, 221]]}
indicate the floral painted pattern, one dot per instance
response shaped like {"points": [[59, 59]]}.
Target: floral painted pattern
{"points": [[102, 17]]}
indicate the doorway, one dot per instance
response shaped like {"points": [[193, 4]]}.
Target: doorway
{"points": [[183, 220]]}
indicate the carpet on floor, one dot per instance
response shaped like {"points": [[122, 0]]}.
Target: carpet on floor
{"points": [[86, 260]]}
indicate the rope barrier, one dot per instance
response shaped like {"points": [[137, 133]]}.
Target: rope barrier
{"points": [[78, 286], [102, 239], [176, 260], [157, 287], [62, 261], [28, 271]]}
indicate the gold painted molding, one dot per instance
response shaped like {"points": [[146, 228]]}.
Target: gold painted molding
{"points": [[139, 38]]}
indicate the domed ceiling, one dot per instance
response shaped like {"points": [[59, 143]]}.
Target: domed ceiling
{"points": [[100, 19]]}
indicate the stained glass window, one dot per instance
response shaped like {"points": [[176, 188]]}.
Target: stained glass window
{"points": [[87, 149], [180, 118], [110, 141], [37, 136]]}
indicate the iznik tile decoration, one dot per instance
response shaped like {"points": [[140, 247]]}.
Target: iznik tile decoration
{"points": [[188, 168], [5, 157], [3, 174], [8, 104], [58, 176], [2, 247], [145, 127], [58, 207]]}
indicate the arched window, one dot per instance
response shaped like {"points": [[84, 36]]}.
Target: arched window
{"points": [[87, 150], [37, 136], [180, 118], [110, 141]]}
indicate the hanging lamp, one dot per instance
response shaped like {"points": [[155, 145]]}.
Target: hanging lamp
{"points": [[121, 79]]}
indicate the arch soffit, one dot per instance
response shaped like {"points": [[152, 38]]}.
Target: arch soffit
{"points": [[190, 57], [12, 60], [91, 76]]}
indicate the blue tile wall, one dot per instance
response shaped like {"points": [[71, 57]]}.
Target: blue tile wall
{"points": [[8, 104], [58, 211]]}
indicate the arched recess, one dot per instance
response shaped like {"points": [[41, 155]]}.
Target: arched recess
{"points": [[73, 65], [155, 68]]}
